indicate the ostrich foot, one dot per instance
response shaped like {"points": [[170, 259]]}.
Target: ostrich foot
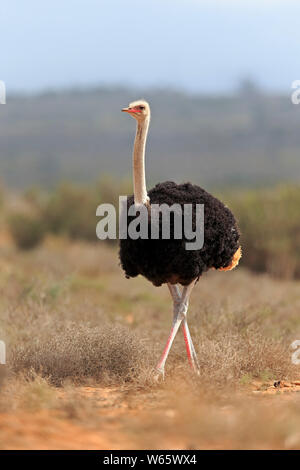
{"points": [[196, 371], [158, 375]]}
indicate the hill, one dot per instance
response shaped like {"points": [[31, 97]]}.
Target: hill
{"points": [[246, 139]]}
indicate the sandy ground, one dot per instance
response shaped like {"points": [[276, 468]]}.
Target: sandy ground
{"points": [[124, 421], [50, 429]]}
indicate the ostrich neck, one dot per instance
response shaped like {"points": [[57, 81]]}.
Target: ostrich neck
{"points": [[139, 178]]}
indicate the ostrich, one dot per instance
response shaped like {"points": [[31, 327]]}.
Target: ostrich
{"points": [[164, 261]]}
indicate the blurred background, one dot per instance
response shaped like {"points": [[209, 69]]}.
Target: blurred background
{"points": [[81, 339], [218, 75]]}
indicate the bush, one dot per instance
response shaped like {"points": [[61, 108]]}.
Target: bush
{"points": [[270, 225], [27, 230], [80, 351], [71, 211]]}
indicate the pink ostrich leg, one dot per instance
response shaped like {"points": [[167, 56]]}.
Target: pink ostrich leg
{"points": [[180, 312]]}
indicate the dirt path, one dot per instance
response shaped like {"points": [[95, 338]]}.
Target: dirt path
{"points": [[107, 418]]}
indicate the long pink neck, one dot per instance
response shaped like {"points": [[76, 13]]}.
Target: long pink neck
{"points": [[139, 177]]}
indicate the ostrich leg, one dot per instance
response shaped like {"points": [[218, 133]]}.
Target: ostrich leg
{"points": [[180, 311], [190, 349]]}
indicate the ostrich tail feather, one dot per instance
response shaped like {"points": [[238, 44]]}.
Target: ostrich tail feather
{"points": [[235, 260]]}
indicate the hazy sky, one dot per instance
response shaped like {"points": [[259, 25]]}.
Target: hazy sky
{"points": [[199, 45]]}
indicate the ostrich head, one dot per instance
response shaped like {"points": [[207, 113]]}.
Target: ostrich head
{"points": [[140, 110]]}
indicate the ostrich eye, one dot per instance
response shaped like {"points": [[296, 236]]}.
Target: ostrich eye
{"points": [[142, 107]]}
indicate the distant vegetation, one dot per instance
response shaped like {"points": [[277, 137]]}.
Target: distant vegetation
{"points": [[26, 229], [270, 225], [245, 139], [248, 140], [268, 218]]}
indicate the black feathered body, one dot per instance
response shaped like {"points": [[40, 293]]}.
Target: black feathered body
{"points": [[162, 261]]}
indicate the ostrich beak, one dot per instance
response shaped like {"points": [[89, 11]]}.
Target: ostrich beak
{"points": [[130, 110]]}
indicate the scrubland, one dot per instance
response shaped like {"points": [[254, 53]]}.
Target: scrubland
{"points": [[82, 342]]}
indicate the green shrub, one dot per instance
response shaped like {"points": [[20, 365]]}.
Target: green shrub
{"points": [[27, 230], [270, 225], [71, 210]]}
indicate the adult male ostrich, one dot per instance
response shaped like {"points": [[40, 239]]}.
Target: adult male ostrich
{"points": [[167, 261]]}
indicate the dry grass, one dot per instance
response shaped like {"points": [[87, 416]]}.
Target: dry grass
{"points": [[78, 352], [70, 318], [68, 313]]}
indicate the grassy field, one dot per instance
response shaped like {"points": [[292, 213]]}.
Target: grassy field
{"points": [[82, 342]]}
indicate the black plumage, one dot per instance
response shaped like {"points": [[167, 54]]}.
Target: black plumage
{"points": [[167, 261]]}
